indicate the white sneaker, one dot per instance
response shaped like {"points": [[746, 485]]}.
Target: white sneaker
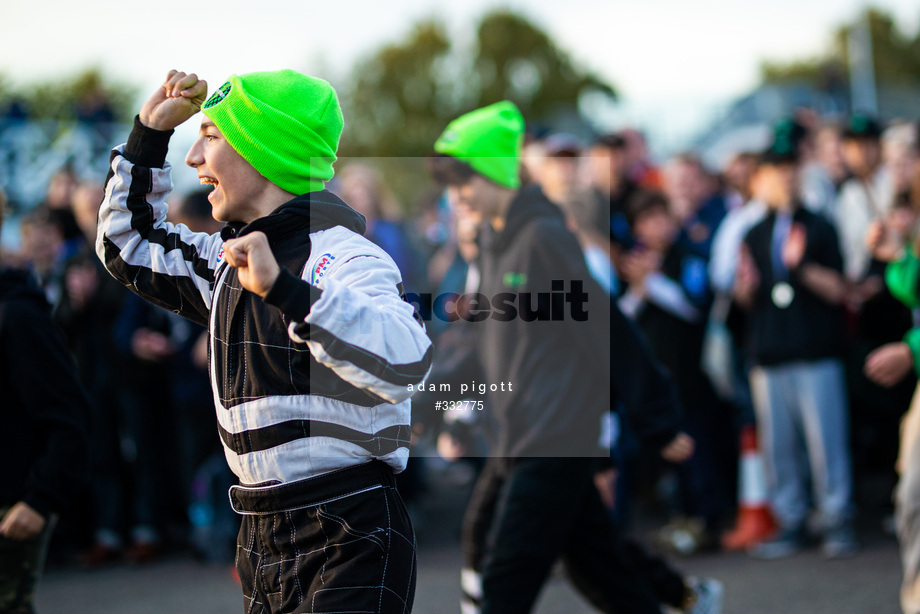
{"points": [[709, 595]]}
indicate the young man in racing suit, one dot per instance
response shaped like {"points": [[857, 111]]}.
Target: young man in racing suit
{"points": [[312, 347]]}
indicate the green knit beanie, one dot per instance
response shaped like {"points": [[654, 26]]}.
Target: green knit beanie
{"points": [[489, 140], [285, 124]]}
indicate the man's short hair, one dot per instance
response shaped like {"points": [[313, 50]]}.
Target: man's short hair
{"points": [[689, 158], [774, 158], [643, 202], [612, 140], [747, 157], [447, 170], [43, 215]]}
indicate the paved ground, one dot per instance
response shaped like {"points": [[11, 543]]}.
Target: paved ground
{"points": [[806, 584], [865, 584]]}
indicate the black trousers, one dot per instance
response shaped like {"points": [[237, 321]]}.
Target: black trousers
{"points": [[339, 542], [527, 513]]}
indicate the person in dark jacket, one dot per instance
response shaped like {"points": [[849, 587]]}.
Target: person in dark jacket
{"points": [[313, 347], [790, 280], [668, 296], [45, 416], [544, 328], [612, 188], [88, 310]]}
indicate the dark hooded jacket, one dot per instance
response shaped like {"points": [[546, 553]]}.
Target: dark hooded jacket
{"points": [[45, 412], [568, 353]]}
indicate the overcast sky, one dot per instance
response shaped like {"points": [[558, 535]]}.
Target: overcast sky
{"points": [[672, 60]]}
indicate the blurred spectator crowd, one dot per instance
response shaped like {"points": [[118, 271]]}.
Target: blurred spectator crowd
{"points": [[676, 245]]}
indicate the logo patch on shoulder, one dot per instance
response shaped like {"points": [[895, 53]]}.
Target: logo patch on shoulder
{"points": [[220, 256], [222, 92], [319, 269]]}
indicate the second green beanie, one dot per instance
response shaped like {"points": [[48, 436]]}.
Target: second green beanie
{"points": [[489, 140], [286, 124]]}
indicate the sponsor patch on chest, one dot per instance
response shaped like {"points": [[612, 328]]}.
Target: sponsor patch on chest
{"points": [[319, 269]]}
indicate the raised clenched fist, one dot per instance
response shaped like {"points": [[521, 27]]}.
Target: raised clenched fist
{"points": [[254, 261], [177, 99]]}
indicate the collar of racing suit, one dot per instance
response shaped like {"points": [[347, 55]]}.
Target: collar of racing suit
{"points": [[313, 212]]}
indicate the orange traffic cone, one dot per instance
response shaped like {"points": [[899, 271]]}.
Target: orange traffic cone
{"points": [[754, 522]]}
